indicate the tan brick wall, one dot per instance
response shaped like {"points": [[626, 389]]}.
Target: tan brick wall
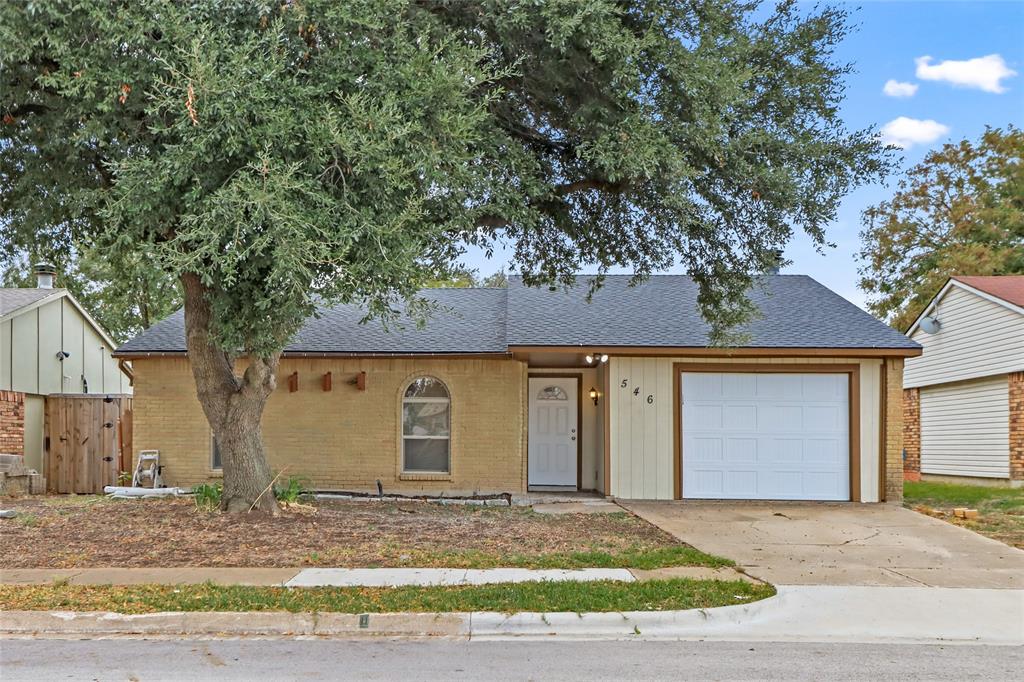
{"points": [[346, 438], [1016, 390], [912, 434], [12, 423], [893, 429]]}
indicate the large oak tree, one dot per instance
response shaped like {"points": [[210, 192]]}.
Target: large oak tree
{"points": [[274, 154]]}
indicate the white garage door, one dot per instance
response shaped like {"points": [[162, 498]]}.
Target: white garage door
{"points": [[965, 429], [765, 436]]}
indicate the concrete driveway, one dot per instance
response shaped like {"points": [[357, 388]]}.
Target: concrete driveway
{"points": [[839, 544]]}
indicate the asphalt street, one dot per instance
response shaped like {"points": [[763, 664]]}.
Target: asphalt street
{"points": [[139, 660]]}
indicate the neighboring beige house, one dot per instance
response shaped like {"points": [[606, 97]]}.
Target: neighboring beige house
{"points": [[48, 345], [506, 390], [964, 398]]}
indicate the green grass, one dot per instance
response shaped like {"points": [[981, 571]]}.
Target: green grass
{"points": [[578, 597], [1000, 510], [956, 495], [633, 557]]}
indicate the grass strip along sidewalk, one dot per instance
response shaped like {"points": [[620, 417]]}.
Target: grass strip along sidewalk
{"points": [[1000, 510], [578, 597]]}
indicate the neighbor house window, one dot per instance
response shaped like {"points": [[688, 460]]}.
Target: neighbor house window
{"points": [[215, 462], [426, 427]]}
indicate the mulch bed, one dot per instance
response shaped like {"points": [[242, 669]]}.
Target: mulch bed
{"points": [[79, 532]]}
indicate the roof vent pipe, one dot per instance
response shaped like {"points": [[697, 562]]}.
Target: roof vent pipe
{"points": [[44, 275], [773, 269]]}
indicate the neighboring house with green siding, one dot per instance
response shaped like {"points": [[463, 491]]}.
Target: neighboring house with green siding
{"points": [[49, 345]]}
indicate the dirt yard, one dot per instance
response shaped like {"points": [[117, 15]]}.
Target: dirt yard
{"points": [[77, 532]]}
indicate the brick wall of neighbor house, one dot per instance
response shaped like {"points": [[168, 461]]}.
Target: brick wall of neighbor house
{"points": [[893, 430], [1016, 390], [346, 439], [12, 423], [912, 434]]}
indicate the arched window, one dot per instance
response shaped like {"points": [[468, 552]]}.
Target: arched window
{"points": [[426, 427]]}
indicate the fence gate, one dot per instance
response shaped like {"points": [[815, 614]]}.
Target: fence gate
{"points": [[85, 441]]}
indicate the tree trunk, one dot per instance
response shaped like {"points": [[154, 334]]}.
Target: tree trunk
{"points": [[233, 406]]}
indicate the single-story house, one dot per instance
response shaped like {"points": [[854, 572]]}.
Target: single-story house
{"points": [[964, 397], [534, 388], [50, 347]]}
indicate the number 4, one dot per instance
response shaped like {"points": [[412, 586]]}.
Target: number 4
{"points": [[636, 391]]}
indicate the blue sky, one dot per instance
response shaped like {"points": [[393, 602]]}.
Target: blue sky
{"points": [[891, 36]]}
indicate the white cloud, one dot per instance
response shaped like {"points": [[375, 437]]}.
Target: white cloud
{"points": [[899, 89], [984, 73], [906, 132]]}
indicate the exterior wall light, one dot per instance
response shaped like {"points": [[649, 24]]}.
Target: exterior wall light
{"points": [[593, 394], [604, 358]]}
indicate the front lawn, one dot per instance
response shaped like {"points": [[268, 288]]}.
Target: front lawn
{"points": [[80, 532], [1000, 510], [653, 595]]}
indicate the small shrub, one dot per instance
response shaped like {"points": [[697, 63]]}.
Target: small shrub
{"points": [[291, 491], [207, 495], [124, 478]]}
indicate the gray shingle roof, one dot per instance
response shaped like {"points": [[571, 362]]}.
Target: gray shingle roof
{"points": [[13, 299], [797, 312], [467, 321]]}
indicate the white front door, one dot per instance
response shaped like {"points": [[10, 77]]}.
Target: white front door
{"points": [[551, 456], [771, 436]]}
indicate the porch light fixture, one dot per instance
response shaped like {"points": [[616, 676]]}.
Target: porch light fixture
{"points": [[591, 358], [593, 394]]}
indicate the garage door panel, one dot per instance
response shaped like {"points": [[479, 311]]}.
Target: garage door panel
{"points": [[739, 417], [707, 449], [737, 385], [965, 428], [708, 414], [780, 436], [740, 450]]}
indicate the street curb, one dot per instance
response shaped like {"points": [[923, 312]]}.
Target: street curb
{"points": [[888, 615], [235, 624]]}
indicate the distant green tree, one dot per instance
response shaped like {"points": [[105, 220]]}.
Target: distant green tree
{"points": [[959, 212], [463, 277], [121, 291], [456, 277], [498, 280], [271, 154]]}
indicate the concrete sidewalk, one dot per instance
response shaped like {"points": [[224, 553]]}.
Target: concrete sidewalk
{"points": [[347, 577], [887, 615]]}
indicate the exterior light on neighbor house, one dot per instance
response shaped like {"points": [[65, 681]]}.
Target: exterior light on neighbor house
{"points": [[930, 325], [604, 357], [593, 394], [589, 359]]}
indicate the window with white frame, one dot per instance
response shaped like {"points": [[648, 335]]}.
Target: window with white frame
{"points": [[426, 427]]}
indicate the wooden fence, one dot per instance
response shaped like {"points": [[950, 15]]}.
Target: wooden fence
{"points": [[87, 441]]}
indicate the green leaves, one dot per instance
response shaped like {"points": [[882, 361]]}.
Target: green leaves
{"points": [[959, 212], [290, 153]]}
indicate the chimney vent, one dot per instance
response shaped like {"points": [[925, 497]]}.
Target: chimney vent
{"points": [[44, 275]]}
